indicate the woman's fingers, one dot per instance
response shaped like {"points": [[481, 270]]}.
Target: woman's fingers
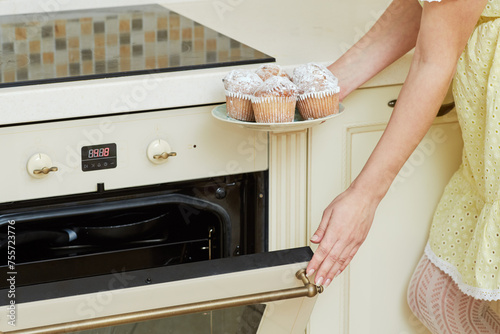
{"points": [[324, 248], [349, 259], [339, 257], [320, 231], [330, 250], [343, 262]]}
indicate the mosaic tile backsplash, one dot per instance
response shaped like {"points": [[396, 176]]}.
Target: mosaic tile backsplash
{"points": [[52, 47]]}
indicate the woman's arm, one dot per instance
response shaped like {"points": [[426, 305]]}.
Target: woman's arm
{"points": [[444, 30], [392, 36]]}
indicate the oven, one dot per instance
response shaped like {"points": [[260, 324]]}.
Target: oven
{"points": [[137, 221]]}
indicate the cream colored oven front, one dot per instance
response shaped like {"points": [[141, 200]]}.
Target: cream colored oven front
{"points": [[265, 293]]}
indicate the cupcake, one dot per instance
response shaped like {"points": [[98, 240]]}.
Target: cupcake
{"points": [[271, 70], [274, 101], [239, 87], [318, 91]]}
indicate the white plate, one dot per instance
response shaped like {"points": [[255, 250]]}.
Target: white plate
{"points": [[298, 123]]}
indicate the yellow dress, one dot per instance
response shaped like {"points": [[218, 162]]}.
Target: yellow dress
{"points": [[465, 234]]}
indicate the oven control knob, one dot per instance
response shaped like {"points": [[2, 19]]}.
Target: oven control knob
{"points": [[159, 151], [39, 165]]}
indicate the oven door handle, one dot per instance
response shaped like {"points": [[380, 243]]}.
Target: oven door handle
{"points": [[308, 290]]}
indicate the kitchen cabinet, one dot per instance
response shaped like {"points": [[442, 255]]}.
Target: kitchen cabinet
{"points": [[370, 296]]}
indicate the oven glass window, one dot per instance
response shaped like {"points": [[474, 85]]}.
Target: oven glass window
{"points": [[235, 320]]}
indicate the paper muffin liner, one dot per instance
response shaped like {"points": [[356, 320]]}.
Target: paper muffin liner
{"points": [[274, 109], [318, 104], [239, 106]]}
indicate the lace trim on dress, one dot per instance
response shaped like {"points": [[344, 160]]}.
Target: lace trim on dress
{"points": [[477, 293]]}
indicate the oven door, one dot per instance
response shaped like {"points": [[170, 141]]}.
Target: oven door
{"points": [[258, 293]]}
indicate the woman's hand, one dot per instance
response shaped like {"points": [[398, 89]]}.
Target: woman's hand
{"points": [[343, 228]]}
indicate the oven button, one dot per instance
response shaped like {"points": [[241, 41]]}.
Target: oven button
{"points": [[159, 151], [40, 165], [220, 193]]}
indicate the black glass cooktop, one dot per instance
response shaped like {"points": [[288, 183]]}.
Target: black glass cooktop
{"points": [[111, 42]]}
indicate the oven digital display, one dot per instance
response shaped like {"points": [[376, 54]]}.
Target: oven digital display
{"points": [[98, 157]]}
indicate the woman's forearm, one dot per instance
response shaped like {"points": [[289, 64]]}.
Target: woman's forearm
{"points": [[431, 72], [416, 109], [392, 36]]}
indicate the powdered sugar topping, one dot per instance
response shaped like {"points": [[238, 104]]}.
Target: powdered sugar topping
{"points": [[242, 81], [277, 86], [267, 71], [312, 77]]}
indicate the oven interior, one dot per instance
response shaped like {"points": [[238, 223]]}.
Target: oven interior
{"points": [[132, 229]]}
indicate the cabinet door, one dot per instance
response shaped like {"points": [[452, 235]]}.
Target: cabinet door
{"points": [[370, 296]]}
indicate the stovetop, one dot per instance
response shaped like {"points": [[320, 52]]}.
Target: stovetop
{"points": [[112, 42]]}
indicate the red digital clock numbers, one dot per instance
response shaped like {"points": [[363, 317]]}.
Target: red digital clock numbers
{"points": [[99, 152], [97, 157]]}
